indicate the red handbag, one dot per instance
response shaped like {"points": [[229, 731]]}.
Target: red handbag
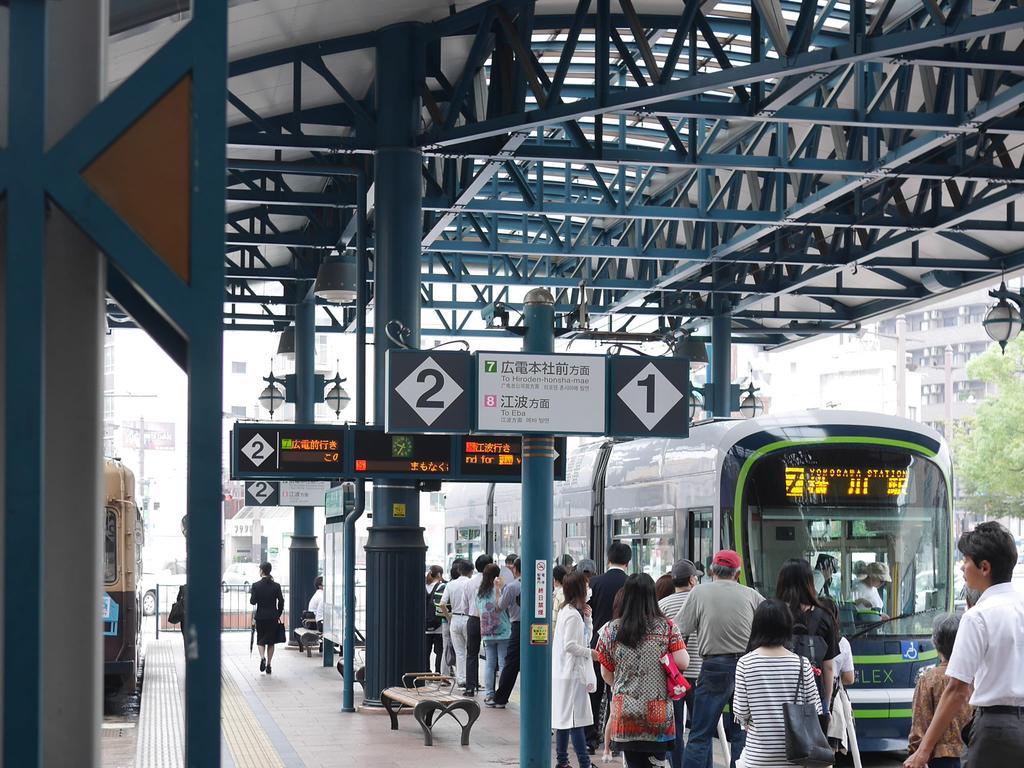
{"points": [[678, 686]]}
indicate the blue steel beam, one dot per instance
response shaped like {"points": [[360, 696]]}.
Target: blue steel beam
{"points": [[814, 63], [24, 384]]}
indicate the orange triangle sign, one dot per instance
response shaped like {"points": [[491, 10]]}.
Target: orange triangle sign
{"points": [[144, 176]]}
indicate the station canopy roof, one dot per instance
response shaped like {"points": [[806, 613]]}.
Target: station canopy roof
{"points": [[633, 156]]}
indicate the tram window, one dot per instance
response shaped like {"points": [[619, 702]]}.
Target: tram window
{"points": [[701, 541], [464, 542], [657, 556], [627, 526], [110, 547]]}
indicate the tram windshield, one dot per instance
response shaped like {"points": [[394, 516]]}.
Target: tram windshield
{"points": [[872, 521]]}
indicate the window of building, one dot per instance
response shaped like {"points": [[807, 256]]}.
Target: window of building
{"points": [[238, 411], [238, 366]]}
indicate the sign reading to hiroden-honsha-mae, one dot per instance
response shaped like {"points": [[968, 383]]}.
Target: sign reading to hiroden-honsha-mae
{"points": [[560, 394]]}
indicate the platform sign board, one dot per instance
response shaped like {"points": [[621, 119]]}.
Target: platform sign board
{"points": [[499, 458], [262, 493], [304, 493], [648, 396], [379, 454], [272, 451], [428, 391], [528, 393]]}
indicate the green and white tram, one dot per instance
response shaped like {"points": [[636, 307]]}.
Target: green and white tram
{"points": [[861, 488]]}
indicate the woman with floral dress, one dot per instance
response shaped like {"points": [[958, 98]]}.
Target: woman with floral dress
{"points": [[629, 651]]}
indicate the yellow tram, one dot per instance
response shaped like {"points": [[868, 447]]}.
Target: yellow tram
{"points": [[122, 569]]}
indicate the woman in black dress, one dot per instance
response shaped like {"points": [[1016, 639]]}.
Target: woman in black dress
{"points": [[266, 596]]}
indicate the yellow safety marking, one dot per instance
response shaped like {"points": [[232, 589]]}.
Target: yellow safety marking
{"points": [[249, 745]]}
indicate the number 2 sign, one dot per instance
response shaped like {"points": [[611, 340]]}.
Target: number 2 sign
{"points": [[427, 391]]}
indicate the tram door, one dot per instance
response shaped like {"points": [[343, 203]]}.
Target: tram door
{"points": [[701, 534]]}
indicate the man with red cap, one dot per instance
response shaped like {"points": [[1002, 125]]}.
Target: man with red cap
{"points": [[720, 612]]}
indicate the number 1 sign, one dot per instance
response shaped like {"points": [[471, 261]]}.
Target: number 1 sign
{"points": [[648, 397]]}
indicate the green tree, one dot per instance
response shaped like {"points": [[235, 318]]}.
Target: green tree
{"points": [[988, 448]]}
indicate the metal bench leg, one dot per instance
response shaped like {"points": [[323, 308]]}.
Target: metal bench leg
{"points": [[392, 713], [424, 714], [472, 713]]}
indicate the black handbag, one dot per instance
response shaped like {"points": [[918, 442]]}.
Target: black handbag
{"points": [[279, 634], [805, 742]]}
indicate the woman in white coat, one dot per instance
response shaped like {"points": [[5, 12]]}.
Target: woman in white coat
{"points": [[573, 676]]}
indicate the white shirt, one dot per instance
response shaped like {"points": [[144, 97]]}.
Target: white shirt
{"points": [[316, 604], [861, 591], [989, 648], [474, 587], [844, 661], [456, 595]]}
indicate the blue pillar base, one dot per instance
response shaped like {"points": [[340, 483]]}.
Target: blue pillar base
{"points": [[395, 568], [303, 556]]}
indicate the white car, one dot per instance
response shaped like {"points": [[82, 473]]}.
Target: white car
{"points": [[240, 574], [168, 578]]}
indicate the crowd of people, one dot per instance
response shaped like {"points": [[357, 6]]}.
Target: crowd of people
{"points": [[636, 662]]}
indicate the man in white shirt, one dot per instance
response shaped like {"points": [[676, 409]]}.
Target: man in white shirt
{"points": [[455, 606], [316, 603], [988, 654], [866, 592], [473, 638]]}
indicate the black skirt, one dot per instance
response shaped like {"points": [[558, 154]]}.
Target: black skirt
{"points": [[266, 631]]}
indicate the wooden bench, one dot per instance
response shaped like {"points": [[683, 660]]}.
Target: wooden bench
{"points": [[307, 638], [431, 697]]}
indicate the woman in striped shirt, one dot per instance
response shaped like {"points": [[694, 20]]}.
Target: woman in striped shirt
{"points": [[767, 678]]}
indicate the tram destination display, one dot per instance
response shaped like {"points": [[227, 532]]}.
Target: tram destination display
{"points": [[874, 482], [496, 458], [378, 454], [299, 451]]}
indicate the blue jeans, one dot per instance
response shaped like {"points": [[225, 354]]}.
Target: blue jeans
{"points": [[495, 651], [579, 746], [714, 690], [680, 708]]}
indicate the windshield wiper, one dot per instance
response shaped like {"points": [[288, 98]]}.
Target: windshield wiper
{"points": [[883, 622]]}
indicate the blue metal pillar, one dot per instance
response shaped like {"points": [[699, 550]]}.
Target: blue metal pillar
{"points": [[537, 535], [395, 550], [349, 640], [303, 553], [721, 356], [206, 385], [24, 385]]}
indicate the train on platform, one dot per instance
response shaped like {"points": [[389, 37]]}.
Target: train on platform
{"points": [[122, 569], [862, 488]]}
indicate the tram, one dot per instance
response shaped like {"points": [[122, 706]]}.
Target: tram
{"points": [[859, 487], [122, 568]]}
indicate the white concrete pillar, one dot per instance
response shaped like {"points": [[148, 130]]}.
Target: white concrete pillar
{"points": [[72, 582]]}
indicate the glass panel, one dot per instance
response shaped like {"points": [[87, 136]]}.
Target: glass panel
{"points": [[656, 556], [701, 537], [110, 547], [874, 522], [466, 543]]}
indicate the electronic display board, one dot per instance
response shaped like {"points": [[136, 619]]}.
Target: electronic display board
{"points": [[378, 454], [494, 458], [289, 451]]}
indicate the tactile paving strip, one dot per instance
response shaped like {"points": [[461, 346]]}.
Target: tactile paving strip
{"points": [[249, 745], [160, 717]]}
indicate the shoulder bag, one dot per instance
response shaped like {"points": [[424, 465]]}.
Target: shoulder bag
{"points": [[678, 686], [805, 742]]}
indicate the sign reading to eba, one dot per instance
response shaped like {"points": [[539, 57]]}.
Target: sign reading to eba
{"points": [[558, 394]]}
